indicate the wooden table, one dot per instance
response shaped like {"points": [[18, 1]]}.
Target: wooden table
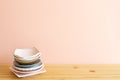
{"points": [[68, 72]]}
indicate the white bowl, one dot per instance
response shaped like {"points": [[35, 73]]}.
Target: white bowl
{"points": [[26, 61], [26, 54]]}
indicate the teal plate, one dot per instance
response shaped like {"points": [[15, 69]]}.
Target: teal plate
{"points": [[27, 66]]}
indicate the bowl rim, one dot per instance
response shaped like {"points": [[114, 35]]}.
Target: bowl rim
{"points": [[24, 49], [27, 61], [28, 58]]}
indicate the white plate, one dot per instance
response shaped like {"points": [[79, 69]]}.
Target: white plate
{"points": [[29, 74], [24, 72]]}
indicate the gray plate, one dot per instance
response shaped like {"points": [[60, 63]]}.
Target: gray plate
{"points": [[27, 66]]}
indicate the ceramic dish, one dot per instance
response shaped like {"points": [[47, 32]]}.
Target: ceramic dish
{"points": [[38, 55], [27, 66], [26, 54], [25, 72], [30, 63], [27, 61], [27, 69], [28, 74]]}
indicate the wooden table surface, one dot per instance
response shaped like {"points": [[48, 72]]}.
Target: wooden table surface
{"points": [[68, 72]]}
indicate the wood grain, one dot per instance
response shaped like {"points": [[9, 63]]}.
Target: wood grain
{"points": [[68, 72]]}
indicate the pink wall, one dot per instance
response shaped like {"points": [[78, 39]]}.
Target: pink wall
{"points": [[66, 31]]}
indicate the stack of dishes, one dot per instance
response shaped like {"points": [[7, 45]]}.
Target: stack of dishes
{"points": [[27, 62]]}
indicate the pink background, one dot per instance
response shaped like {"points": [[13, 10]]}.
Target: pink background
{"points": [[65, 31]]}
